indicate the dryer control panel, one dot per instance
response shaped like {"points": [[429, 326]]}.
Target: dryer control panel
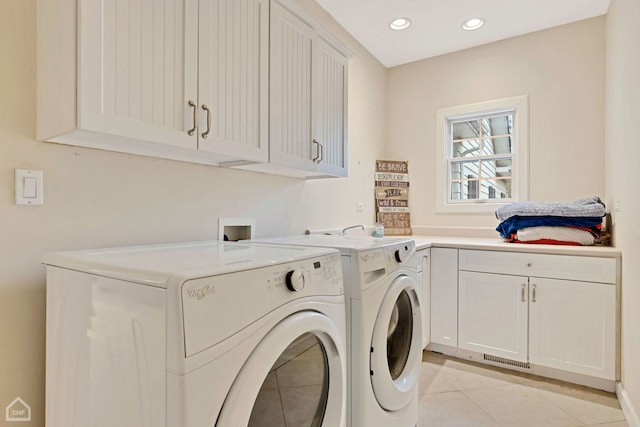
{"points": [[217, 307]]}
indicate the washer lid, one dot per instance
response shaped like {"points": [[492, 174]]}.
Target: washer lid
{"points": [[155, 264]]}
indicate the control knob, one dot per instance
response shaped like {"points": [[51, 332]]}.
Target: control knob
{"points": [[294, 280], [402, 254]]}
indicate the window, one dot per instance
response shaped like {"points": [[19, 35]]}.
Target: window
{"points": [[482, 155]]}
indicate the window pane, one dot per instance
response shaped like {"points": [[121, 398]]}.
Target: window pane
{"points": [[464, 170], [502, 145], [463, 130], [504, 168], [496, 126], [495, 188], [464, 180], [487, 147], [496, 168], [472, 189], [468, 148]]}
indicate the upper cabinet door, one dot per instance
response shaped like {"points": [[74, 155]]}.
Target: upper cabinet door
{"points": [[134, 69], [291, 91], [330, 108], [233, 78]]}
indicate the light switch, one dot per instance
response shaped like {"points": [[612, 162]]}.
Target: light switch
{"points": [[29, 186]]}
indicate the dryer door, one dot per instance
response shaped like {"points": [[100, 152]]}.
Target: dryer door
{"points": [[396, 347], [295, 376]]}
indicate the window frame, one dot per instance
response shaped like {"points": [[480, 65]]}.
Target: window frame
{"points": [[519, 107]]}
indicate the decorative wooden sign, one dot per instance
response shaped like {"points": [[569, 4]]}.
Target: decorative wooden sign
{"points": [[392, 197]]}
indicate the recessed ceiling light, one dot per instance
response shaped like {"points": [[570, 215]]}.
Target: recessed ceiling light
{"points": [[472, 24], [400, 24]]}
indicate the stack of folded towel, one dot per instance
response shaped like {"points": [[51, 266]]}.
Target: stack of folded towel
{"points": [[575, 223]]}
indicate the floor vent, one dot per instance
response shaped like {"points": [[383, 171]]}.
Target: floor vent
{"points": [[503, 361]]}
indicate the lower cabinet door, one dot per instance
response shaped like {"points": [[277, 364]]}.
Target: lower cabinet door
{"points": [[443, 301], [492, 315], [572, 326]]}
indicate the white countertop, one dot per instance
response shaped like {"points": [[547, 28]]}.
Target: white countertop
{"points": [[497, 244]]}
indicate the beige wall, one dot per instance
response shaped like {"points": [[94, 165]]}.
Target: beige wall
{"points": [[622, 114], [95, 198], [562, 71]]}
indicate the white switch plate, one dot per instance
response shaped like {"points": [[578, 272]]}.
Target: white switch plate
{"points": [[29, 187], [359, 206]]}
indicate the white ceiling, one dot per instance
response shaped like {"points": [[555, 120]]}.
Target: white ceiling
{"points": [[436, 24]]}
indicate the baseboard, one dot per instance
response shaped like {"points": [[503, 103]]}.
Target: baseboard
{"points": [[571, 377], [627, 407]]}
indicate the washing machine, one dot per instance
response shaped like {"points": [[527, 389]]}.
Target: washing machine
{"points": [[382, 279], [196, 334]]}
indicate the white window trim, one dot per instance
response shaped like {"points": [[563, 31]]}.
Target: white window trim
{"points": [[520, 165]]}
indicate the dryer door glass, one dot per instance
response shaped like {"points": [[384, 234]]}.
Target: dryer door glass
{"points": [[296, 389], [399, 335]]}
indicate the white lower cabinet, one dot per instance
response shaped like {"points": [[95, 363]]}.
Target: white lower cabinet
{"points": [[493, 314], [572, 326], [563, 324], [425, 259], [444, 296]]}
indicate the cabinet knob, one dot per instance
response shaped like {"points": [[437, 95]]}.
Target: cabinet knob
{"points": [[529, 264]]}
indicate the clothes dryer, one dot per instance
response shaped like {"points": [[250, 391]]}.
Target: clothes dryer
{"points": [[196, 334], [384, 326]]}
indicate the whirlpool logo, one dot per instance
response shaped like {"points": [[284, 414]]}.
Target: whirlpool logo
{"points": [[201, 292]]}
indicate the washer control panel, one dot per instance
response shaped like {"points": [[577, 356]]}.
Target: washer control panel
{"points": [[387, 257]]}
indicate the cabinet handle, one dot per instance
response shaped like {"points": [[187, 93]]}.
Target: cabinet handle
{"points": [[533, 293], [522, 292], [205, 134], [190, 132], [318, 158]]}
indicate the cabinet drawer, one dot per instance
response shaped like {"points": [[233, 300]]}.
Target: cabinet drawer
{"points": [[588, 269]]}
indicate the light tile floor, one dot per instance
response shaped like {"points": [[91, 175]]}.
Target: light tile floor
{"points": [[455, 392]]}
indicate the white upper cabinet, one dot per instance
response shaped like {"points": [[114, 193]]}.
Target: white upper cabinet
{"points": [[291, 134], [307, 98], [330, 109], [179, 79], [233, 78]]}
